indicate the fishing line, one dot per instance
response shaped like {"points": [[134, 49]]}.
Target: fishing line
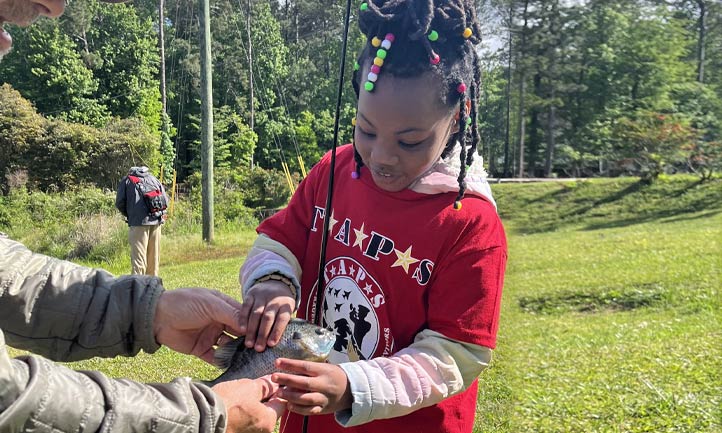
{"points": [[329, 194]]}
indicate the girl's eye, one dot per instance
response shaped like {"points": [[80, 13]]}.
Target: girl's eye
{"points": [[409, 145], [367, 134]]}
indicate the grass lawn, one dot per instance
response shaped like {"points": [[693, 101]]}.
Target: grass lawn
{"points": [[611, 317]]}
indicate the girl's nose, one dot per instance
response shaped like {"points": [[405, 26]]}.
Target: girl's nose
{"points": [[50, 8], [383, 155]]}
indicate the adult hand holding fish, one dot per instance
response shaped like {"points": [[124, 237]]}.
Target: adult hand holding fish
{"points": [[193, 320], [255, 409]]}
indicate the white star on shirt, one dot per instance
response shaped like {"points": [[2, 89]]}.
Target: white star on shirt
{"points": [[360, 237], [332, 222], [404, 259]]}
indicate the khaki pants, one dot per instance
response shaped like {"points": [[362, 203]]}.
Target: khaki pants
{"points": [[144, 249]]}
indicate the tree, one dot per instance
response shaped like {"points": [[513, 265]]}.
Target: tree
{"points": [[46, 68]]}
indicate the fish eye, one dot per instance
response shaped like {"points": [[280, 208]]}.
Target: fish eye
{"points": [[297, 335]]}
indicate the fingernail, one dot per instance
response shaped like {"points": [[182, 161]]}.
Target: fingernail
{"points": [[259, 348]]}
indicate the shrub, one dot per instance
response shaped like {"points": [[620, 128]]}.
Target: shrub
{"points": [[97, 237]]}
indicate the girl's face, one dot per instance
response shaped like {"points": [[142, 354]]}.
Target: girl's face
{"points": [[402, 128]]}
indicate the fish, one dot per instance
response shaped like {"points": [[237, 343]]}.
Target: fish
{"points": [[300, 340]]}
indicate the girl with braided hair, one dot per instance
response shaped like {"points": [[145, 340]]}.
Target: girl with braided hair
{"points": [[416, 251]]}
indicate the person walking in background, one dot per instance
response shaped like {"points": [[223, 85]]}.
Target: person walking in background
{"points": [[142, 200]]}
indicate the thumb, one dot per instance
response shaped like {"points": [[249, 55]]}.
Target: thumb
{"points": [[277, 405], [226, 311], [268, 387]]}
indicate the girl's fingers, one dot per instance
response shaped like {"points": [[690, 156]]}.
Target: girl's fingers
{"points": [[303, 383], [245, 313], [267, 319], [282, 319], [254, 324], [298, 366], [302, 398], [305, 410]]}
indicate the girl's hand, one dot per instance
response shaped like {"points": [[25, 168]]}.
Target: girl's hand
{"points": [[266, 310], [313, 388]]}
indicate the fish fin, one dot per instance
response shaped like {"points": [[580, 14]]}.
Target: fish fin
{"points": [[224, 354]]}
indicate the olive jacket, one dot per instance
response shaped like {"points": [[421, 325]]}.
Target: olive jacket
{"points": [[67, 312]]}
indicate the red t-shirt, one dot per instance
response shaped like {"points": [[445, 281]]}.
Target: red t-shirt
{"points": [[396, 263]]}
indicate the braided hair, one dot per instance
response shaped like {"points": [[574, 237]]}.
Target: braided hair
{"points": [[430, 36]]}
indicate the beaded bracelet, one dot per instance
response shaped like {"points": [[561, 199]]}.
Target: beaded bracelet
{"points": [[279, 277]]}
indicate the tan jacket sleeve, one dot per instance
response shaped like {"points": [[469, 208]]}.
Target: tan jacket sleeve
{"points": [[68, 312]]}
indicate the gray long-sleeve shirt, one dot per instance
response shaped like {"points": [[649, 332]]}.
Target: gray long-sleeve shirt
{"points": [[67, 312]]}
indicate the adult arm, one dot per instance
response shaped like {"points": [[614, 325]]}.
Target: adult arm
{"points": [[120, 200], [68, 312], [38, 395]]}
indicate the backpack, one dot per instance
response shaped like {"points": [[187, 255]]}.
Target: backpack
{"points": [[155, 200]]}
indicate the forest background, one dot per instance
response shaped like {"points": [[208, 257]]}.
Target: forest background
{"points": [[610, 320], [570, 89]]}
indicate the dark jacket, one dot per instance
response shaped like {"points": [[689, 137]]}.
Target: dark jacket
{"points": [[130, 202], [68, 312]]}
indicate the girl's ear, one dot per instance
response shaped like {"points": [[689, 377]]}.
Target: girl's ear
{"points": [[455, 123], [468, 110]]}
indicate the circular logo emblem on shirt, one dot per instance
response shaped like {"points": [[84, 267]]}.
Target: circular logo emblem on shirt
{"points": [[350, 302]]}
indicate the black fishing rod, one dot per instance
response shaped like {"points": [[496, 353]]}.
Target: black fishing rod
{"points": [[329, 195]]}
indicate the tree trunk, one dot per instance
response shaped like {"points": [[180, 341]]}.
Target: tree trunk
{"points": [[161, 43], [206, 122], [701, 39], [522, 91], [551, 139], [552, 114], [507, 139], [534, 126]]}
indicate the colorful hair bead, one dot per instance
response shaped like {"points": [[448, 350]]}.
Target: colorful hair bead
{"points": [[461, 88], [381, 54], [468, 120], [364, 6], [433, 36], [354, 174], [457, 205], [356, 66], [435, 59], [467, 33], [353, 121]]}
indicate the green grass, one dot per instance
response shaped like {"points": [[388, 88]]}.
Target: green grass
{"points": [[610, 330], [611, 317]]}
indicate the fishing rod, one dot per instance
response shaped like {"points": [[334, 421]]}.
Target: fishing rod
{"points": [[329, 195]]}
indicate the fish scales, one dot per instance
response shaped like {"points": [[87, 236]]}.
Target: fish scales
{"points": [[300, 340]]}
